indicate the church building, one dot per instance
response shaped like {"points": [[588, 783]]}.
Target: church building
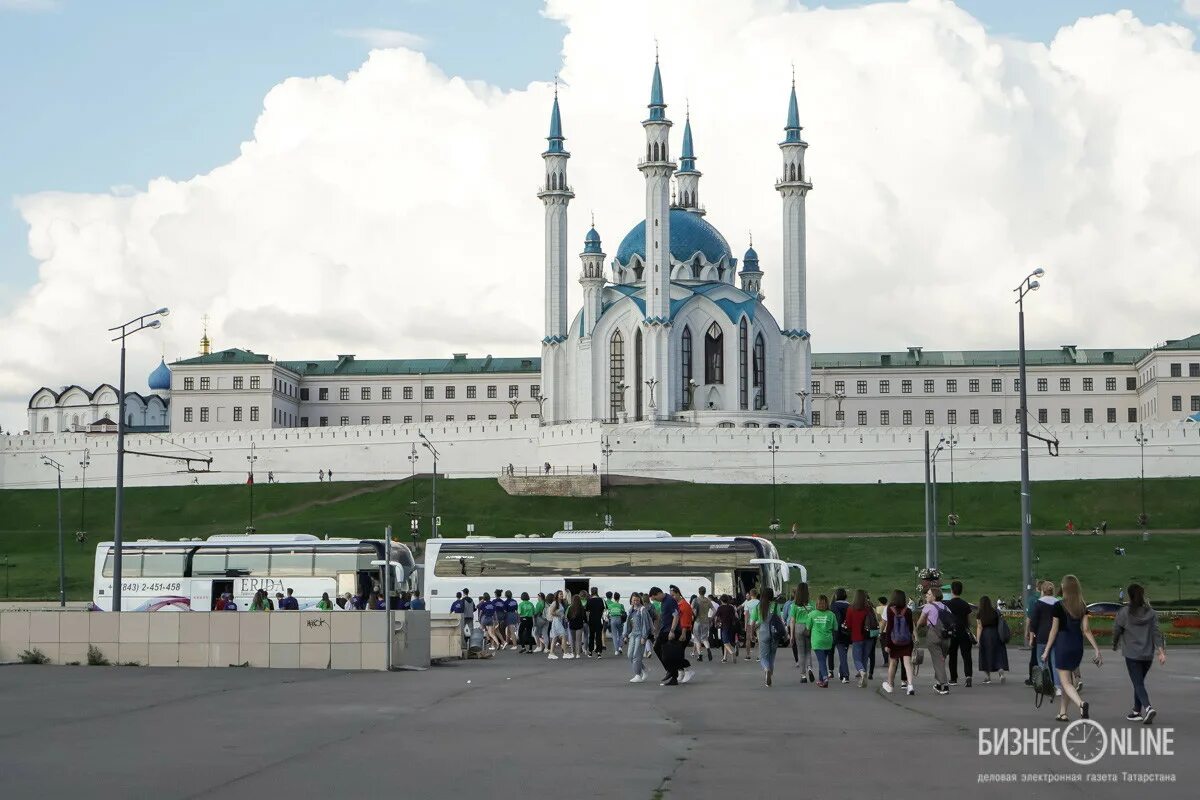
{"points": [[676, 328]]}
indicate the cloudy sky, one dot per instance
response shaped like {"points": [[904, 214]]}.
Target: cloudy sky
{"points": [[360, 177]]}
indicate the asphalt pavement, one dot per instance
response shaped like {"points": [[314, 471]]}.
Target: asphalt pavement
{"points": [[523, 726]]}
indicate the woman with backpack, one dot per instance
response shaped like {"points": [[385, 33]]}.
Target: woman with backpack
{"points": [[939, 631], [1068, 629], [1136, 632], [767, 624], [801, 638], [897, 630], [857, 617], [822, 624], [993, 655]]}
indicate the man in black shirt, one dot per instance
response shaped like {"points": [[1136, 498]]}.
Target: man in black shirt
{"points": [[842, 638], [961, 643], [595, 622]]}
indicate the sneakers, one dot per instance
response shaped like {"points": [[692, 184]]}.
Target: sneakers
{"points": [[987, 680], [910, 691], [768, 679], [1001, 678], [955, 683], [568, 656], [1134, 716], [670, 682], [688, 674], [823, 684], [862, 680], [969, 680], [1148, 715], [618, 651], [634, 679], [589, 655], [552, 657], [812, 678], [1083, 710], [804, 679], [887, 687], [844, 679], [941, 688], [641, 677]]}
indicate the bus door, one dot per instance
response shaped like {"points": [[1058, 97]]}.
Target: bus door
{"points": [[347, 582], [723, 584], [549, 586], [218, 588], [747, 579], [576, 585]]}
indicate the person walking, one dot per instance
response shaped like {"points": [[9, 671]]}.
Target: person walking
{"points": [[1136, 633], [725, 618], [616, 620], [525, 626], [1068, 629], [703, 609], [576, 622], [857, 616], [763, 618], [687, 618], [842, 640], [638, 627], [512, 619], [936, 641], [747, 609], [799, 633], [961, 644], [594, 605], [541, 622], [897, 632], [881, 614], [558, 628], [822, 626], [1038, 631], [324, 604], [993, 654]]}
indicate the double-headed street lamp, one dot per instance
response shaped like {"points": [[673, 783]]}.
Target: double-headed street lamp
{"points": [[839, 397], [541, 401], [803, 395], [1029, 284], [606, 451], [428, 445], [62, 571], [773, 448], [81, 534], [515, 403], [133, 326], [1143, 520]]}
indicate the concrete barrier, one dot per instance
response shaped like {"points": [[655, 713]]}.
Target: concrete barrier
{"points": [[445, 637], [283, 639]]}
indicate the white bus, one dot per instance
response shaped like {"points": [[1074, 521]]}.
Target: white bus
{"points": [[617, 561], [185, 575]]}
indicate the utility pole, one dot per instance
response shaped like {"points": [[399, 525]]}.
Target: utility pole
{"points": [[251, 459], [774, 448], [62, 569], [928, 534], [82, 533], [428, 445], [1026, 286]]}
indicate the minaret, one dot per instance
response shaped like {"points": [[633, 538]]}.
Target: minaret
{"points": [[793, 187], [591, 278], [658, 168], [687, 179], [751, 274], [555, 194]]}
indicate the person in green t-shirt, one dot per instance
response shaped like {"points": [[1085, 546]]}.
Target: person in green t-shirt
{"points": [[822, 624], [525, 626], [540, 622], [616, 619], [324, 604], [798, 629]]}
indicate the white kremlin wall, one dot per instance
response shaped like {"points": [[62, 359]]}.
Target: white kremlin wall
{"points": [[683, 453]]}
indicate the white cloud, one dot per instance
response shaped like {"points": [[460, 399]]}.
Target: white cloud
{"points": [[383, 38], [1190, 7], [392, 212], [30, 5]]}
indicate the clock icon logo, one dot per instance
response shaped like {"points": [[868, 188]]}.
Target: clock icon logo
{"points": [[1085, 741]]}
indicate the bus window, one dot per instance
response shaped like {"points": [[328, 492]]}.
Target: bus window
{"points": [[547, 562], [162, 563], [208, 561], [131, 564], [604, 563], [248, 562], [292, 563], [669, 563], [333, 563], [509, 564]]}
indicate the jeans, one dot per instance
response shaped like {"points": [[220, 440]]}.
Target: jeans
{"points": [[960, 644], [824, 661], [615, 628], [860, 654], [766, 648], [1041, 650], [637, 645], [843, 667], [1137, 676]]}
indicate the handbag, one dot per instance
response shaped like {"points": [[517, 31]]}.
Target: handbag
{"points": [[1004, 631], [779, 631]]}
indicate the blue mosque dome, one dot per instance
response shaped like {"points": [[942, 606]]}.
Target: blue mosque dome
{"points": [[690, 234], [160, 378], [750, 260], [591, 242]]}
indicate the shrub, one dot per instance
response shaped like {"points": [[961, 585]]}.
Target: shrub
{"points": [[34, 656], [95, 658]]}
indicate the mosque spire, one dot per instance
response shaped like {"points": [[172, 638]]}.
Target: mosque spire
{"points": [[793, 120], [658, 109], [556, 135], [688, 177]]}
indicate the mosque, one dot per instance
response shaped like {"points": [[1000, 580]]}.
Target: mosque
{"points": [[676, 329]]}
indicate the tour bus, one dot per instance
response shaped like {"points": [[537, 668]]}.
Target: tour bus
{"points": [[192, 574], [616, 561]]}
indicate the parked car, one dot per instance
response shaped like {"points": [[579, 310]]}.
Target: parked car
{"points": [[1104, 608]]}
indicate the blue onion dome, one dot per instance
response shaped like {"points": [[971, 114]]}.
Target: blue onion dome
{"points": [[690, 234], [591, 242], [160, 378], [750, 260]]}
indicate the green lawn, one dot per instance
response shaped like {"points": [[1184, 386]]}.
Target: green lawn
{"points": [[991, 564]]}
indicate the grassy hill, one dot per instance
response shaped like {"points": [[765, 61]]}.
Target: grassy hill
{"points": [[28, 540]]}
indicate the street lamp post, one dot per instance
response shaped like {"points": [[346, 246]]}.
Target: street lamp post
{"points": [[1143, 520], [250, 459], [81, 534], [142, 322], [428, 445], [803, 395], [541, 401], [514, 403], [839, 397], [62, 570], [773, 447], [606, 451], [933, 526], [1178, 582], [1029, 284]]}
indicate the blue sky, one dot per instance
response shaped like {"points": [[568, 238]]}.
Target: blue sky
{"points": [[107, 94]]}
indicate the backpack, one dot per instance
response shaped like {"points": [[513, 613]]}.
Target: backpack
{"points": [[1043, 684], [778, 630], [901, 629], [1003, 629], [947, 626]]}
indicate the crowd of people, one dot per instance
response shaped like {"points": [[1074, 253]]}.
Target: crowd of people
{"points": [[364, 601], [833, 637]]}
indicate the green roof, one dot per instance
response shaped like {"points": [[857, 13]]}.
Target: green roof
{"points": [[1190, 343], [231, 356], [459, 365], [1070, 357]]}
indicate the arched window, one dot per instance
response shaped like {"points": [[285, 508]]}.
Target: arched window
{"points": [[760, 370], [685, 360], [637, 374], [45, 424], [714, 355], [696, 267], [74, 421], [616, 376], [637, 270], [743, 341]]}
